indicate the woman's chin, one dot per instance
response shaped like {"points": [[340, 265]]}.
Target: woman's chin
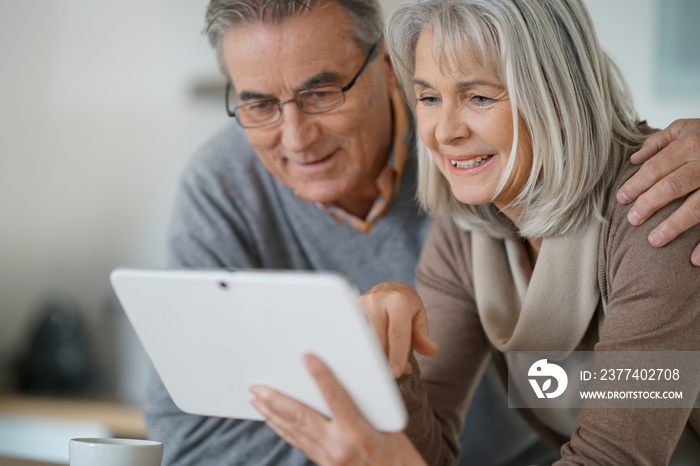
{"points": [[471, 198]]}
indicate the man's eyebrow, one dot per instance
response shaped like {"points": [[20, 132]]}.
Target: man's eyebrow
{"points": [[245, 96], [322, 78]]}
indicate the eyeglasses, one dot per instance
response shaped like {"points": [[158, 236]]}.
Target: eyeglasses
{"points": [[319, 99]]}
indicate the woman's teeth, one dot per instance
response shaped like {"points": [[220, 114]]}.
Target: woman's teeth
{"points": [[471, 162]]}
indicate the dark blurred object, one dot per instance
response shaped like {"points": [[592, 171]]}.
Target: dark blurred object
{"points": [[57, 358]]}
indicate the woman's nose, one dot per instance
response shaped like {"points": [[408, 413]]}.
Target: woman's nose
{"points": [[451, 125]]}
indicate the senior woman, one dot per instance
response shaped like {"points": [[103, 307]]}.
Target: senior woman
{"points": [[526, 127]]}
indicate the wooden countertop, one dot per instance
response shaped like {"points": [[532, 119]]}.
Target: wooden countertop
{"points": [[21, 462], [122, 419]]}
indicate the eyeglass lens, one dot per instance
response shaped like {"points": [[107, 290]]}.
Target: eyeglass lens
{"points": [[316, 100]]}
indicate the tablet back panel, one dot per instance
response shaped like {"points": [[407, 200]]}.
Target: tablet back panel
{"points": [[212, 334]]}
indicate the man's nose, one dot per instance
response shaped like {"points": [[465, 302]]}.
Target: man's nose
{"points": [[299, 130], [452, 125]]}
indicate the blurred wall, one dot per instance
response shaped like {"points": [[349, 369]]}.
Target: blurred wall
{"points": [[629, 30], [98, 114], [97, 118]]}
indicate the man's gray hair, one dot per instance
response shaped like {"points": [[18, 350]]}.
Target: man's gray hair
{"points": [[365, 18], [571, 96]]}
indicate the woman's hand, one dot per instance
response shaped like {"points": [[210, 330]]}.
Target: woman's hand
{"points": [[347, 439], [398, 316], [670, 170]]}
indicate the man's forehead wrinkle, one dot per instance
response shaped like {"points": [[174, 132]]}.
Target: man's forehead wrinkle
{"points": [[277, 48], [325, 74]]}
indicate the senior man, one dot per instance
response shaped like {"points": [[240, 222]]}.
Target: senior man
{"points": [[317, 174]]}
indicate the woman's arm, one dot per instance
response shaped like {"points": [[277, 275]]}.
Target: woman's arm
{"points": [[448, 378], [653, 304], [347, 438]]}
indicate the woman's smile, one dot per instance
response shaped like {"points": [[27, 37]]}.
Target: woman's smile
{"points": [[470, 164], [465, 118]]}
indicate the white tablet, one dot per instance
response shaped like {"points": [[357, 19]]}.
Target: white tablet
{"points": [[212, 334]]}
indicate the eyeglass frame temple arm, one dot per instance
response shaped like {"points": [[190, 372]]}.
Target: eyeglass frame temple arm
{"points": [[370, 57]]}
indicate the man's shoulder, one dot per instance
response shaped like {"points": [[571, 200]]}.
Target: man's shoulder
{"points": [[227, 162], [226, 149]]}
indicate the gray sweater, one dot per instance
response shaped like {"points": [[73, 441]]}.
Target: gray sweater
{"points": [[231, 213]]}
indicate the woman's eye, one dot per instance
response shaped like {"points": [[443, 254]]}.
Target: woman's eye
{"points": [[481, 100], [428, 100]]}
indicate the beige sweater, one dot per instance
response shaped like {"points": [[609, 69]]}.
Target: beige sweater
{"points": [[482, 295]]}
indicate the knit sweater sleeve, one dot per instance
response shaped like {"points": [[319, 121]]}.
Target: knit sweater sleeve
{"points": [[214, 226], [210, 224], [653, 304], [438, 401]]}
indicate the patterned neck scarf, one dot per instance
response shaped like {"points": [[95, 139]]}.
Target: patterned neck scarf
{"points": [[389, 178]]}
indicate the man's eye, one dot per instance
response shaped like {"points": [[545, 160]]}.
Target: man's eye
{"points": [[317, 95], [261, 105]]}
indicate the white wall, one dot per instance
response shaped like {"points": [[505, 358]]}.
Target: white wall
{"points": [[97, 119], [629, 32]]}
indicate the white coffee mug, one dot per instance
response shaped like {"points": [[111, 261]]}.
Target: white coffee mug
{"points": [[115, 452]]}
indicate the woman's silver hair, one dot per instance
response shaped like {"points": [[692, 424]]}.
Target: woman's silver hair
{"points": [[223, 15], [571, 96]]}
